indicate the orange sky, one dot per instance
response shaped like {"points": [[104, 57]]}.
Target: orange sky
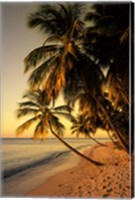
{"points": [[17, 42]]}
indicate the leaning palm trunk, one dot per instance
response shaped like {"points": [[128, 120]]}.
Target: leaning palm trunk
{"points": [[118, 135], [111, 138], [96, 141], [74, 150]]}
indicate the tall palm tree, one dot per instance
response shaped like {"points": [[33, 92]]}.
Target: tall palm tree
{"points": [[46, 118], [115, 22], [52, 62], [64, 62], [110, 35], [111, 26]]}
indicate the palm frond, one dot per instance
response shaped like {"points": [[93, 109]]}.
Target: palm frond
{"points": [[65, 115], [55, 81], [54, 38], [40, 73], [40, 21], [26, 111], [63, 108], [26, 125], [57, 126], [38, 54], [42, 130], [31, 95], [49, 19], [28, 104], [56, 19]]}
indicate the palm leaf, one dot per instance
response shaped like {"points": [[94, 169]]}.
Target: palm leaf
{"points": [[36, 56], [26, 111], [66, 115], [28, 104], [40, 129], [32, 95], [63, 108], [53, 38], [25, 125], [38, 75], [38, 20], [57, 126]]}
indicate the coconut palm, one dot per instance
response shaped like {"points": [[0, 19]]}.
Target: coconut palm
{"points": [[64, 62], [46, 119], [112, 32], [115, 21], [60, 23], [92, 115], [110, 35], [114, 27], [59, 65]]}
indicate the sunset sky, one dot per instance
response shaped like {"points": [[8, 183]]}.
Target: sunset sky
{"points": [[17, 41]]}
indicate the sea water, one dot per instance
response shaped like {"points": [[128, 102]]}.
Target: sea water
{"points": [[21, 154]]}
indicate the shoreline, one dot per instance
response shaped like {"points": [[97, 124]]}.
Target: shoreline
{"points": [[89, 181], [77, 177], [19, 184]]}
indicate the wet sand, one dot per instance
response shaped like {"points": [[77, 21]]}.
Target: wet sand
{"points": [[86, 180]]}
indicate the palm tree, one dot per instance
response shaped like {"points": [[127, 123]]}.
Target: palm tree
{"points": [[110, 35], [53, 62], [59, 65], [90, 112], [64, 62], [83, 125], [116, 24], [46, 119]]}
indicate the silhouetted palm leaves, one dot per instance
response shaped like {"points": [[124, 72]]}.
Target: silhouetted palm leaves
{"points": [[73, 60], [36, 106], [46, 119], [58, 61], [84, 125], [110, 39]]}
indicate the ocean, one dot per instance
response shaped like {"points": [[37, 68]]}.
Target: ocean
{"points": [[22, 154]]}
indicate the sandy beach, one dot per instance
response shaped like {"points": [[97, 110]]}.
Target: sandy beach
{"points": [[81, 179]]}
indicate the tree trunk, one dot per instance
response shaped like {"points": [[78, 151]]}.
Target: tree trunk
{"points": [[111, 138], [118, 135], [96, 141], [74, 150], [120, 139]]}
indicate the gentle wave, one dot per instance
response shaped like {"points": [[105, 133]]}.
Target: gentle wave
{"points": [[46, 160]]}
